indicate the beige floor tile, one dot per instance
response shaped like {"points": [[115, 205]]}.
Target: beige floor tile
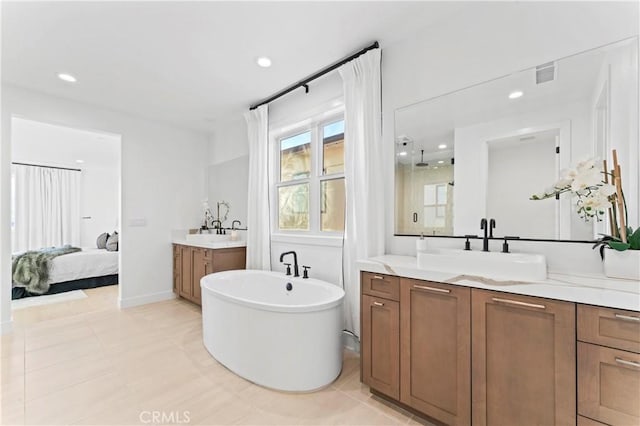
{"points": [[55, 378], [226, 412], [416, 420], [390, 410], [11, 365], [57, 336], [12, 390], [11, 414], [12, 344], [352, 386], [76, 402], [62, 352]]}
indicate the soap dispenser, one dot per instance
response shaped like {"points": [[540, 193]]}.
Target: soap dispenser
{"points": [[421, 243]]}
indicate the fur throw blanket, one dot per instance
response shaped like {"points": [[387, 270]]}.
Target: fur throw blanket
{"points": [[31, 269]]}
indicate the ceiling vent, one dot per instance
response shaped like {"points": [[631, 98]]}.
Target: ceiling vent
{"points": [[545, 72]]}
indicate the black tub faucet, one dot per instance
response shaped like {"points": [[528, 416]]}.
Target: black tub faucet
{"points": [[295, 262]]}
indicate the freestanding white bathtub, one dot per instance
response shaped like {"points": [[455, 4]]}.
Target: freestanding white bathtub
{"points": [[282, 339]]}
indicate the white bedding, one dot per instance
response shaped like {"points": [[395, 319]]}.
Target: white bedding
{"points": [[88, 263]]}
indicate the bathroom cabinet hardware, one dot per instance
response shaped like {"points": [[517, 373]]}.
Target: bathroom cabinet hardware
{"points": [[437, 290], [378, 304], [627, 363], [305, 272], [288, 265], [378, 277], [627, 317], [518, 303]]}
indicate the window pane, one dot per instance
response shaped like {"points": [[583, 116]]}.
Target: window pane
{"points": [[295, 157], [333, 148], [332, 205], [293, 202], [442, 194]]}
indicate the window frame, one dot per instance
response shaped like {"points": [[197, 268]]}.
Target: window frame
{"points": [[315, 125]]}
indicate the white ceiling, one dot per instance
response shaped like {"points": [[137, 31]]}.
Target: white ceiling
{"points": [[192, 63]]}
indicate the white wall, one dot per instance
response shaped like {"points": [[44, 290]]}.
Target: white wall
{"points": [[485, 41], [45, 144], [163, 183]]}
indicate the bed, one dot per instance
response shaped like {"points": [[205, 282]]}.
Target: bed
{"points": [[85, 269]]}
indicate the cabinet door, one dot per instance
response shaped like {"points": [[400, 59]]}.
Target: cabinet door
{"points": [[186, 269], [523, 364], [380, 345], [200, 263], [229, 259], [608, 385], [435, 334], [177, 269]]}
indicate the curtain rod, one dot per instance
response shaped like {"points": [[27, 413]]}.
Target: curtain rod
{"points": [[304, 83], [46, 167]]}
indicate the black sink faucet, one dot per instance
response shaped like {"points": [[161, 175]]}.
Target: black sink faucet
{"points": [[295, 262], [485, 240]]}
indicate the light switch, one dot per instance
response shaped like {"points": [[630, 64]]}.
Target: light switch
{"points": [[138, 221]]}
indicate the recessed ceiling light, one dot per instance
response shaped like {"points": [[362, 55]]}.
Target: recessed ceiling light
{"points": [[515, 95], [435, 167], [403, 153], [263, 61], [79, 161], [67, 77], [442, 146], [440, 161]]}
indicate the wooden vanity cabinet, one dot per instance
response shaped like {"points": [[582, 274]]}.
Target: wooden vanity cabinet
{"points": [[191, 263], [435, 355], [609, 365], [523, 364], [380, 340]]}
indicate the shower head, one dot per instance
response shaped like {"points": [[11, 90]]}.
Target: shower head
{"points": [[422, 163]]}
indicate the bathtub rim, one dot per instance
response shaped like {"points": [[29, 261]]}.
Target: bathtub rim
{"points": [[326, 305]]}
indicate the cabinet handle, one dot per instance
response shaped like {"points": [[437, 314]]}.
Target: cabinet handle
{"points": [[627, 317], [438, 290], [378, 277], [378, 304], [627, 363], [518, 303]]}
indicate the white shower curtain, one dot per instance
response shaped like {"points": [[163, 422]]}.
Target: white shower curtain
{"points": [[47, 207], [258, 222], [364, 225]]}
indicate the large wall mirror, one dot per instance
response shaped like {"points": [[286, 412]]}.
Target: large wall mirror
{"points": [[484, 150]]}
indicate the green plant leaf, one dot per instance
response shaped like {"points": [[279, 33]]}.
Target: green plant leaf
{"points": [[617, 245], [634, 240]]}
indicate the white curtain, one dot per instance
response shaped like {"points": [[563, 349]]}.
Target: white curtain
{"points": [[364, 225], [258, 222], [46, 205]]}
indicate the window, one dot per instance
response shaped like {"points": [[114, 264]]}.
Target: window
{"points": [[309, 183], [435, 205]]}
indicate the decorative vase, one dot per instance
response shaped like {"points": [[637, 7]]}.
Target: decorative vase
{"points": [[622, 264]]}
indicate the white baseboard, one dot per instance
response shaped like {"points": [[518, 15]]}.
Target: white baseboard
{"points": [[350, 342], [130, 302], [6, 327]]}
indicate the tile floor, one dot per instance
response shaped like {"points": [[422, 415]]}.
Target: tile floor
{"points": [[87, 362]]}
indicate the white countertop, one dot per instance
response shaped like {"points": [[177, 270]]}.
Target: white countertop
{"points": [[592, 290], [210, 245]]}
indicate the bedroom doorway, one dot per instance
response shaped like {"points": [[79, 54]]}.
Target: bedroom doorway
{"points": [[65, 211]]}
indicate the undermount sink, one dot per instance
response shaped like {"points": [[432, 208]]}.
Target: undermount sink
{"points": [[208, 238], [504, 266]]}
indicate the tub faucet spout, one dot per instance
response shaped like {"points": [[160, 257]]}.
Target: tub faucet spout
{"points": [[295, 262]]}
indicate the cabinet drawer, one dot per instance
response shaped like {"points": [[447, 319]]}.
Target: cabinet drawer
{"points": [[609, 327], [608, 385], [381, 285]]}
